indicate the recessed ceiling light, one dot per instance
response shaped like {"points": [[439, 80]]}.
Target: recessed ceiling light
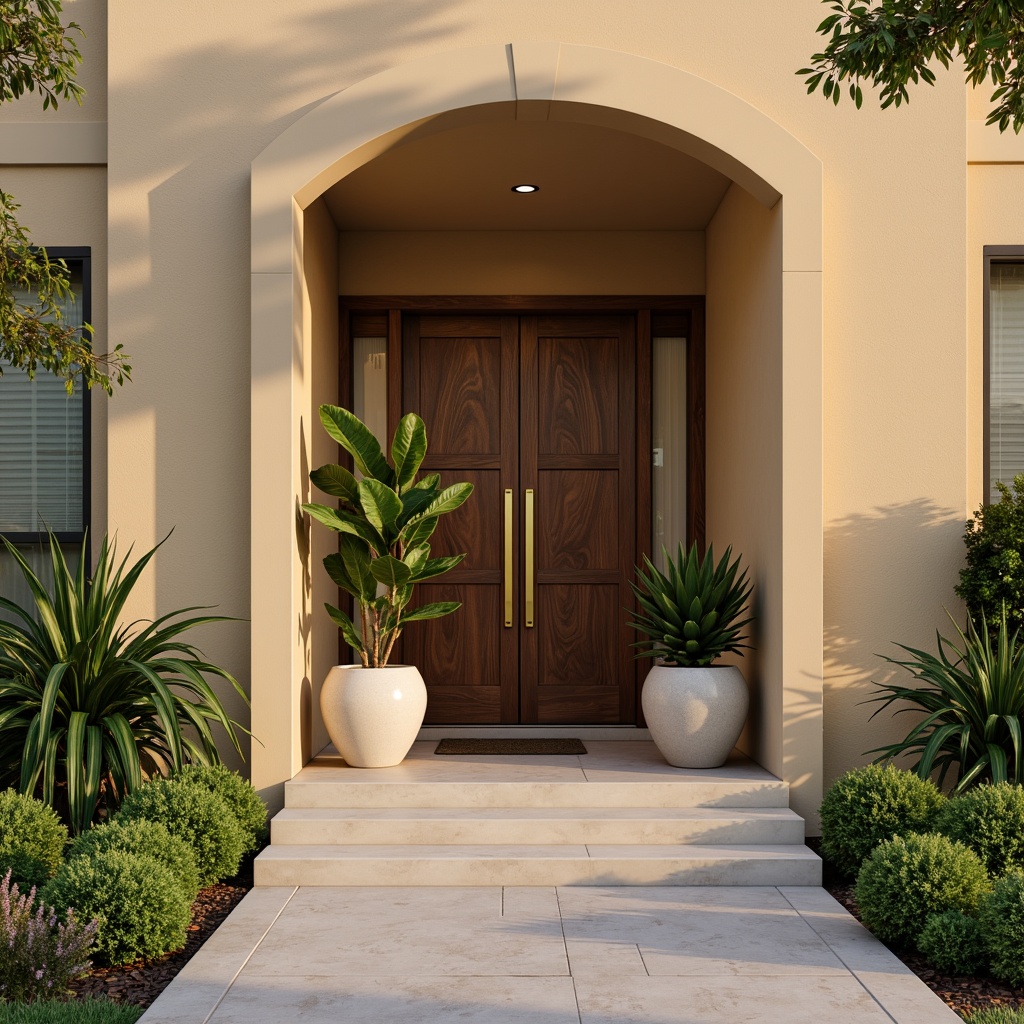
{"points": [[526, 188]]}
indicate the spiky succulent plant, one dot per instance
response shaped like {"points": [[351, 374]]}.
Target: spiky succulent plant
{"points": [[691, 616]]}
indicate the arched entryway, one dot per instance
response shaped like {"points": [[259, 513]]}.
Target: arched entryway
{"points": [[763, 274]]}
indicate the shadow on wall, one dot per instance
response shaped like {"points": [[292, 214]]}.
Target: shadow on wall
{"points": [[923, 553], [184, 131]]}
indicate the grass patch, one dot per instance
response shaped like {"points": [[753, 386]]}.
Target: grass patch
{"points": [[88, 1011], [997, 1015]]}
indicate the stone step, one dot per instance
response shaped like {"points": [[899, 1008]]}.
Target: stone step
{"points": [[583, 864], [383, 826], [704, 792]]}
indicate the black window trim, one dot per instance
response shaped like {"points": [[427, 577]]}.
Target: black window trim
{"points": [[83, 254]]}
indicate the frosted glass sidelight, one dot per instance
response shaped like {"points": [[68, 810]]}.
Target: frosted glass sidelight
{"points": [[1006, 374], [370, 385], [668, 439]]}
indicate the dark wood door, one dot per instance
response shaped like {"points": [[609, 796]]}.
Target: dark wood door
{"points": [[538, 413]]}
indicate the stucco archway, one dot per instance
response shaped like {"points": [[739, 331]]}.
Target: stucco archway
{"points": [[548, 81]]}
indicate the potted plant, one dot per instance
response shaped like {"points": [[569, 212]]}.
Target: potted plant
{"points": [[373, 711], [691, 617]]}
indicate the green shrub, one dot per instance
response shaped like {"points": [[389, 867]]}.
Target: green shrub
{"points": [[39, 955], [952, 942], [138, 902], [1002, 921], [236, 792], [990, 820], [907, 878], [994, 572], [201, 818], [868, 805], [32, 839], [147, 838], [112, 699], [997, 1015], [86, 1011]]}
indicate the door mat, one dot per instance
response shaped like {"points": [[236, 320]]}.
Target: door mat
{"points": [[526, 745]]}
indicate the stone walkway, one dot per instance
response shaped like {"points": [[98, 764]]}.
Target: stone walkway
{"points": [[566, 955]]}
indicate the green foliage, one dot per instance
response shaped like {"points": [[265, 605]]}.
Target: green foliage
{"points": [[236, 792], [952, 942], [385, 521], [89, 706], [998, 1015], [990, 820], [39, 955], [37, 52], [85, 1011], [868, 805], [689, 617], [993, 577], [32, 839], [192, 813], [972, 696], [137, 900], [1002, 921], [907, 878], [144, 838], [892, 44]]}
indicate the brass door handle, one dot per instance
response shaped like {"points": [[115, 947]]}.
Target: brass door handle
{"points": [[528, 616], [508, 557]]}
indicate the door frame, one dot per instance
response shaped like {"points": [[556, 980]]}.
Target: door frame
{"points": [[655, 314]]}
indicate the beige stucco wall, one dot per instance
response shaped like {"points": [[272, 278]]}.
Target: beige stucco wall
{"points": [[521, 263], [193, 104]]}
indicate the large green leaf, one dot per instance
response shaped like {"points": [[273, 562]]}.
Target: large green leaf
{"points": [[347, 627], [408, 448], [336, 481], [390, 571], [432, 611], [448, 500], [356, 557], [381, 505], [432, 567], [355, 437], [344, 522]]}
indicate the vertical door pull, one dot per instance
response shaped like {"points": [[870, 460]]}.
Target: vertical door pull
{"points": [[528, 617], [508, 557]]}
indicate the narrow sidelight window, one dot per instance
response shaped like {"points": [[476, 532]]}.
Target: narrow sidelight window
{"points": [[1004, 352]]}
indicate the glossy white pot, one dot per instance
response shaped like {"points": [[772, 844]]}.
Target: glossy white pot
{"points": [[695, 714], [373, 714]]}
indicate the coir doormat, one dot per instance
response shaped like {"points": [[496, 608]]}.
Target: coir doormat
{"points": [[526, 745]]}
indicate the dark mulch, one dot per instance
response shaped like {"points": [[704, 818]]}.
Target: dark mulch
{"points": [[964, 994], [141, 982]]}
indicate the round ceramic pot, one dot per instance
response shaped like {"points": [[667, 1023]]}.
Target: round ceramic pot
{"points": [[695, 714], [373, 714]]}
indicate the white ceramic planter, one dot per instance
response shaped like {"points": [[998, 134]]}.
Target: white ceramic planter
{"points": [[695, 714], [373, 714]]}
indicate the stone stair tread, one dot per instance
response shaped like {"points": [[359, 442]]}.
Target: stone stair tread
{"points": [[644, 851], [537, 813]]}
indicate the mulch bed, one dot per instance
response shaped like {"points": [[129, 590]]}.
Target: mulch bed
{"points": [[141, 982]]}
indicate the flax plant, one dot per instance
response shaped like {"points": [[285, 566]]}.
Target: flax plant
{"points": [[88, 706], [972, 694]]}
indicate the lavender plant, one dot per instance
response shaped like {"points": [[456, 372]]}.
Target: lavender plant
{"points": [[39, 955]]}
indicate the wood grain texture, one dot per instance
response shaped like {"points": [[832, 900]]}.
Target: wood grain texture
{"points": [[577, 635], [578, 519], [475, 527]]}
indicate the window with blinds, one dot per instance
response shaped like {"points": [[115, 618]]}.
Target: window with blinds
{"points": [[1005, 370], [43, 440]]}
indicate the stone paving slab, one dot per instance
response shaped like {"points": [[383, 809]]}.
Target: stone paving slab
{"points": [[608, 955]]}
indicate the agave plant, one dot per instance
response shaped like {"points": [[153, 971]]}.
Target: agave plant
{"points": [[973, 699], [385, 521], [691, 616], [89, 707]]}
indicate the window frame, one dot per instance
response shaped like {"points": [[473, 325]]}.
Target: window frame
{"points": [[81, 254]]}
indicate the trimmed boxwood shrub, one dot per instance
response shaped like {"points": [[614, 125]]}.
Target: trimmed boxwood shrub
{"points": [[192, 813], [952, 942], [236, 792], [1002, 921], [869, 805], [147, 838], [32, 839], [990, 820], [137, 900], [907, 878]]}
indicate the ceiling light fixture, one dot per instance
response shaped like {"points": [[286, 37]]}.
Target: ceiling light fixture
{"points": [[524, 189]]}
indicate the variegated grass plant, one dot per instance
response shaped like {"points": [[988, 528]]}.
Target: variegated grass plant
{"points": [[88, 706]]}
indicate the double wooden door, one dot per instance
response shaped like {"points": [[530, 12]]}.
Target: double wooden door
{"points": [[538, 412]]}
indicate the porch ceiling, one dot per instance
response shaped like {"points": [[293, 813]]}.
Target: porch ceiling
{"points": [[591, 178]]}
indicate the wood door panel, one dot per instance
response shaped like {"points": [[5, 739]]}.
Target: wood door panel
{"points": [[475, 528], [577, 636], [577, 519], [579, 705], [579, 413], [460, 385]]}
